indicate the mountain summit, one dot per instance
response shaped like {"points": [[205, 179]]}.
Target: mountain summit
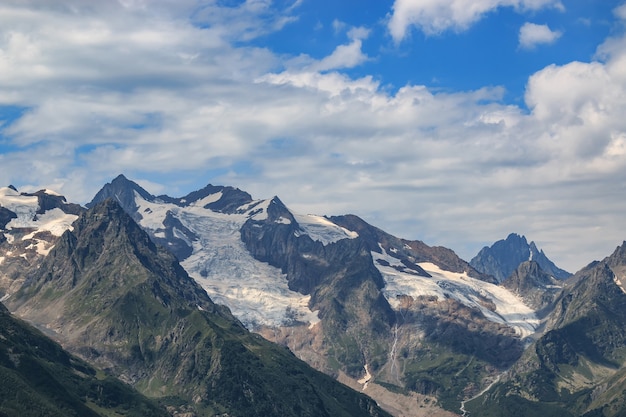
{"points": [[504, 256]]}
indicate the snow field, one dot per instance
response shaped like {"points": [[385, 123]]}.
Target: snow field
{"points": [[509, 309]]}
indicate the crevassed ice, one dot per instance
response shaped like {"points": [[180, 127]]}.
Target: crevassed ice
{"points": [[255, 292]]}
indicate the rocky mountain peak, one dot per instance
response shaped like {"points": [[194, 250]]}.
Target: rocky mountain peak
{"points": [[99, 262], [619, 255], [227, 199], [409, 252], [48, 201], [504, 256], [123, 191], [276, 210]]}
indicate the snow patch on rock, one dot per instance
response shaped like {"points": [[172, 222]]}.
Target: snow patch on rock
{"points": [[25, 208], [474, 293], [321, 229]]}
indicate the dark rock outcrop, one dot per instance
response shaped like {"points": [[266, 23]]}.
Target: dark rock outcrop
{"points": [[410, 252], [341, 278], [537, 288], [6, 216]]}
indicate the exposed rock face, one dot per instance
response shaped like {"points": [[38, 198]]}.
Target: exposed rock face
{"points": [[123, 191], [47, 201], [503, 257], [410, 252], [577, 367], [120, 301], [537, 288], [230, 201], [340, 277], [6, 216]]}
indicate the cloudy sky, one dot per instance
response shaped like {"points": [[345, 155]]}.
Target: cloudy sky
{"points": [[454, 122]]}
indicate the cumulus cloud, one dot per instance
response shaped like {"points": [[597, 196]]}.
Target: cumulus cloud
{"points": [[532, 34], [158, 95], [620, 11], [344, 56], [436, 16]]}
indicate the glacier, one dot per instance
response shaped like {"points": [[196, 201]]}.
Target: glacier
{"points": [[256, 292]]}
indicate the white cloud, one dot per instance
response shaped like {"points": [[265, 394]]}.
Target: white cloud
{"points": [[151, 94], [345, 56], [620, 11], [531, 35], [436, 16]]}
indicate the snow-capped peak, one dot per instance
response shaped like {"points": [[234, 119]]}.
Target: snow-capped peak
{"points": [[29, 216]]}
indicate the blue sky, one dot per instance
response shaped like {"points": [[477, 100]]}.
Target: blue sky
{"points": [[486, 53], [454, 122]]}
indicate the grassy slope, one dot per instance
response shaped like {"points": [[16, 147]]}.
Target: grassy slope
{"points": [[39, 378]]}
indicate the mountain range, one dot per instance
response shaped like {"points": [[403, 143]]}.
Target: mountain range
{"points": [[125, 305], [170, 295]]}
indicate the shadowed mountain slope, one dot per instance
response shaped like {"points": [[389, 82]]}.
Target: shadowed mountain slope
{"points": [[39, 378]]}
